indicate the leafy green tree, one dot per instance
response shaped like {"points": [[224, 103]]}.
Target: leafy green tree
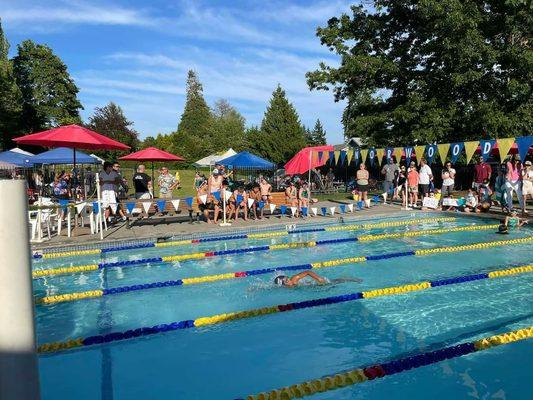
{"points": [[111, 122], [282, 133], [432, 70], [193, 139], [227, 127], [318, 134], [10, 97], [49, 94]]}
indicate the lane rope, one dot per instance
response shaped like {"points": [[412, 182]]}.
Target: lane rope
{"points": [[243, 274], [222, 318], [192, 256], [360, 375], [261, 235]]}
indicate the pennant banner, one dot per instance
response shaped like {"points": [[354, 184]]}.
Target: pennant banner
{"points": [[203, 198], [227, 194], [161, 205], [216, 195], [486, 148], [504, 145], [443, 151], [314, 210], [456, 149], [325, 157], [293, 211], [431, 151], [364, 154], [188, 200], [371, 156], [349, 155], [130, 206], [283, 209], [470, 149], [272, 208], [176, 204], [350, 207], [324, 211], [250, 202], [261, 205], [332, 210], [80, 207], [63, 203], [360, 205], [331, 157], [389, 152], [523, 143], [398, 151], [419, 152], [320, 156], [337, 155], [342, 207], [95, 207], [380, 153], [343, 156], [304, 211], [146, 206], [408, 154]]}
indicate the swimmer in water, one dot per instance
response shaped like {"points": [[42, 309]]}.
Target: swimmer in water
{"points": [[284, 280]]}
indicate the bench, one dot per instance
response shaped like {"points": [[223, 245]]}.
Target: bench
{"points": [[150, 217]]}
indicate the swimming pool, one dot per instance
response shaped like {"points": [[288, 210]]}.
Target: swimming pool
{"points": [[240, 356]]}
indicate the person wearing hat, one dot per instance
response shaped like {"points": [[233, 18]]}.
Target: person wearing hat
{"points": [[527, 184], [215, 181], [513, 181]]}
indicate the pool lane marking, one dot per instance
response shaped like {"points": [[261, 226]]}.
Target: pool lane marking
{"points": [[60, 298], [222, 318], [360, 375], [243, 236], [192, 256]]}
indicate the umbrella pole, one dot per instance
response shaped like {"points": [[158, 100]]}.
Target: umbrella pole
{"points": [[100, 215], [309, 179], [153, 182]]}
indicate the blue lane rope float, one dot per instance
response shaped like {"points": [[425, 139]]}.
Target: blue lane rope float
{"points": [[261, 235], [243, 274], [360, 375], [222, 318], [193, 256]]}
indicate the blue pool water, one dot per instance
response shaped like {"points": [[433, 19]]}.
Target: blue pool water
{"points": [[247, 356]]}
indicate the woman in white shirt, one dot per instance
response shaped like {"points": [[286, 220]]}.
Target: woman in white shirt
{"points": [[448, 180]]}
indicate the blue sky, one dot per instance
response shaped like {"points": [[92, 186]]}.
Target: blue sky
{"points": [[137, 53]]}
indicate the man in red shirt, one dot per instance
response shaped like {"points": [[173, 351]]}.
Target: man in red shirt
{"points": [[482, 171]]}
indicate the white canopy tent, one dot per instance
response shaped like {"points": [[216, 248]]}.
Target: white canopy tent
{"points": [[214, 158], [20, 151]]}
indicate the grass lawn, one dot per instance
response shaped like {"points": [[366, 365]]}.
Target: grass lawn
{"points": [[186, 180]]}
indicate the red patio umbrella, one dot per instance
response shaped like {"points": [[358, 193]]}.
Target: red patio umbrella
{"points": [[151, 154], [302, 162]]}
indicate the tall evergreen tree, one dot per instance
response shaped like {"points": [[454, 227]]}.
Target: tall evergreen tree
{"points": [[318, 134], [228, 127], [283, 134], [111, 122], [308, 135], [193, 138], [49, 94], [10, 97]]}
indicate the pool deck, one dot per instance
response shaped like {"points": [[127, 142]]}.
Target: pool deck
{"points": [[162, 228]]}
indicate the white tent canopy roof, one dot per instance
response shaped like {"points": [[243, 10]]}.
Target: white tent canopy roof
{"points": [[214, 158], [20, 151]]}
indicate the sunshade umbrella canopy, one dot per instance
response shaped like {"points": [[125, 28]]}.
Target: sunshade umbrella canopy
{"points": [[72, 136], [63, 155], [245, 159], [17, 159], [151, 154], [214, 158], [303, 161]]}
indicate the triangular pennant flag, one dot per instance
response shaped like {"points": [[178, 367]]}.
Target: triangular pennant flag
{"points": [[161, 204], [364, 153], [371, 155], [389, 152], [419, 152], [314, 210], [408, 154], [331, 156], [324, 211], [203, 198], [380, 153], [443, 151], [272, 208], [470, 149], [343, 156], [304, 211], [188, 200], [261, 204], [130, 206], [486, 148], [80, 207], [325, 157], [398, 151], [283, 209], [455, 150], [227, 194], [337, 155], [431, 150], [523, 143], [332, 210], [216, 195], [239, 198], [314, 157], [250, 202], [349, 156], [95, 207], [146, 206], [63, 203], [342, 207], [367, 202], [360, 205], [114, 207], [375, 199], [350, 207], [175, 204], [320, 156], [504, 145], [293, 211]]}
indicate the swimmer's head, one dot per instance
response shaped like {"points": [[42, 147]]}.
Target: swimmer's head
{"points": [[281, 280], [502, 229]]}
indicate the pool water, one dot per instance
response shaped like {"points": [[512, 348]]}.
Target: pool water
{"points": [[237, 358]]}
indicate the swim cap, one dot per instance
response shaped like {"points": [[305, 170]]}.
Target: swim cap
{"points": [[503, 229], [280, 280]]}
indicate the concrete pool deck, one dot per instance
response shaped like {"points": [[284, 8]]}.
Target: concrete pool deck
{"points": [[162, 228]]}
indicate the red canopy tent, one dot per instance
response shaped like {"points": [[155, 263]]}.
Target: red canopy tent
{"points": [[303, 160], [151, 154]]}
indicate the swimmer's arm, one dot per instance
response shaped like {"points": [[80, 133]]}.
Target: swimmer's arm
{"points": [[506, 222], [296, 278]]}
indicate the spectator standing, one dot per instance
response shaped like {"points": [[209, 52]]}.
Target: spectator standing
{"points": [[425, 177], [482, 172], [448, 180], [499, 188], [166, 183], [362, 177], [413, 180], [122, 188], [89, 181], [142, 183], [527, 184], [513, 182], [109, 180], [390, 170]]}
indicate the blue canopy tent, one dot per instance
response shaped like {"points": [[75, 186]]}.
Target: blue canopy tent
{"points": [[63, 155], [246, 160], [17, 159]]}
